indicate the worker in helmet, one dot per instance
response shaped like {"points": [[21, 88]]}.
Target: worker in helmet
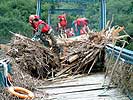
{"points": [[79, 25], [62, 23], [42, 30], [39, 27]]}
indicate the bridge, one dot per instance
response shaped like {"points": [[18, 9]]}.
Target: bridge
{"points": [[119, 68], [72, 89], [91, 87], [102, 2]]}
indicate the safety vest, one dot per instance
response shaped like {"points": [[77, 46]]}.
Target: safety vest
{"points": [[81, 22], [63, 21], [45, 28]]}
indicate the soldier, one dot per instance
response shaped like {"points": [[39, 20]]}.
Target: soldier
{"points": [[41, 30], [63, 21], [79, 25]]}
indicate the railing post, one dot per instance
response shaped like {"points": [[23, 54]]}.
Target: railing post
{"points": [[49, 16], [38, 10], [103, 14]]}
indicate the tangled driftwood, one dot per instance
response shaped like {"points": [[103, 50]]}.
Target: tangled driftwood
{"points": [[79, 54], [33, 57]]}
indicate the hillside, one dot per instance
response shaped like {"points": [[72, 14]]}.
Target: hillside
{"points": [[14, 16]]}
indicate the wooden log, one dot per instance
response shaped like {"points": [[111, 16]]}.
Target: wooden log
{"points": [[5, 47], [115, 32], [92, 65], [62, 71], [72, 58], [120, 37]]}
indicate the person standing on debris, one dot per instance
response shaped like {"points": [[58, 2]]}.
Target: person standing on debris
{"points": [[41, 30], [85, 27], [63, 21], [80, 25]]}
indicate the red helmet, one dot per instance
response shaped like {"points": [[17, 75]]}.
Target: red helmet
{"points": [[33, 17]]}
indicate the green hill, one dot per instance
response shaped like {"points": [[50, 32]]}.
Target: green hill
{"points": [[14, 15]]}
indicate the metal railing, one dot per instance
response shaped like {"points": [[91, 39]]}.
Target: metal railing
{"points": [[126, 55]]}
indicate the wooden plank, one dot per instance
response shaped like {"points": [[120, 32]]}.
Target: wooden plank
{"points": [[58, 91], [83, 88], [62, 71], [78, 80], [112, 94], [65, 86]]}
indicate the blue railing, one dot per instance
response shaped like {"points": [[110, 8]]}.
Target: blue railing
{"points": [[103, 8], [126, 55]]}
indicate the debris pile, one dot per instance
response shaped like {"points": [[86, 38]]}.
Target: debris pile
{"points": [[32, 57], [79, 54]]}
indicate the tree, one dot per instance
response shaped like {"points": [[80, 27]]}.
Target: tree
{"points": [[14, 17]]}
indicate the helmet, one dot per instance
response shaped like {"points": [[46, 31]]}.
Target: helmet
{"points": [[33, 17]]}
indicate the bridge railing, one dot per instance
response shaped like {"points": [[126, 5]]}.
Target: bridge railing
{"points": [[124, 74], [126, 55]]}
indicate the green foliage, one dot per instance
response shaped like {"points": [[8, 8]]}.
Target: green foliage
{"points": [[14, 17], [93, 14], [130, 46], [14, 25], [122, 11]]}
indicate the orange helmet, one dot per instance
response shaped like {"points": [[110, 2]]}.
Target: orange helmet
{"points": [[33, 17]]}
